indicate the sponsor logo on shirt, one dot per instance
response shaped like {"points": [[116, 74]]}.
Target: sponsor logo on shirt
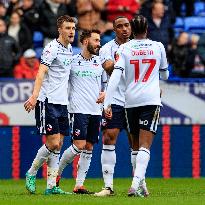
{"points": [[67, 62]]}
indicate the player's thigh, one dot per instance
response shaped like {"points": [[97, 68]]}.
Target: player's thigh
{"points": [[112, 127], [93, 129], [132, 121], [148, 122], [79, 125], [53, 140], [46, 115], [118, 118], [110, 136], [63, 125]]}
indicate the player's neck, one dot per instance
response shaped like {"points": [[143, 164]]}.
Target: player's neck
{"points": [[121, 41], [63, 42], [86, 54], [140, 37]]}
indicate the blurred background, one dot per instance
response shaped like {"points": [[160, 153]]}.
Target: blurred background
{"points": [[26, 26]]}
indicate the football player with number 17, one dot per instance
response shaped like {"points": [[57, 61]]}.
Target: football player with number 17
{"points": [[143, 62]]}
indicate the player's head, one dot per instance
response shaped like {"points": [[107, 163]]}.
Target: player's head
{"points": [[139, 26], [90, 39], [66, 28], [121, 27]]}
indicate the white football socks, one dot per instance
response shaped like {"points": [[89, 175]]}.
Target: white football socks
{"points": [[52, 169], [108, 161], [67, 157], [41, 157], [142, 161], [133, 159], [83, 166]]}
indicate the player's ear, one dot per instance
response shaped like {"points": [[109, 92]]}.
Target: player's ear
{"points": [[59, 30], [86, 41]]}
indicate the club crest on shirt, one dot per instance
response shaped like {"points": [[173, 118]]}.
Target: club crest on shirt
{"points": [[95, 63], [116, 56]]}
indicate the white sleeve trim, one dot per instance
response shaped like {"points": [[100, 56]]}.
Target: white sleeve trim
{"points": [[164, 74]]}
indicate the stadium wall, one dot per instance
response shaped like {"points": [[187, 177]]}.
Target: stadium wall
{"points": [[177, 151]]}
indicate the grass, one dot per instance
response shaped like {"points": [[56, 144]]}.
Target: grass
{"points": [[163, 192]]}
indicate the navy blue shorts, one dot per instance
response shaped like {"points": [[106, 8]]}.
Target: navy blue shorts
{"points": [[118, 118], [85, 127], [51, 118], [144, 117]]}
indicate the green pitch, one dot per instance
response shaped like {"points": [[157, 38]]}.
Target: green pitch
{"points": [[163, 192]]}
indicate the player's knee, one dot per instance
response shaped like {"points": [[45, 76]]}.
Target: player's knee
{"points": [[145, 145], [80, 144], [54, 146], [110, 136], [89, 146], [107, 140]]}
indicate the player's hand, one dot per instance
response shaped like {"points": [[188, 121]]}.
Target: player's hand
{"points": [[108, 113], [101, 97], [30, 103]]}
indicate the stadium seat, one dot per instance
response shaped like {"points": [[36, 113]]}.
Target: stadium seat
{"points": [[38, 52], [194, 24], [37, 39], [179, 25], [199, 9]]}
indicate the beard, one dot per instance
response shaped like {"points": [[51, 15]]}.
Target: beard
{"points": [[92, 50]]}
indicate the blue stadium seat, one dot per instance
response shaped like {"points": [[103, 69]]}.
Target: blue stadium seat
{"points": [[179, 25], [37, 39], [199, 9], [38, 52], [194, 24]]}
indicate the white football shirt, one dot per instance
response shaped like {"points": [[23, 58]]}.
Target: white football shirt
{"points": [[86, 80], [108, 52], [55, 84], [141, 61]]}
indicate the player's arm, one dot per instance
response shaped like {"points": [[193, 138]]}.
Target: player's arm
{"points": [[163, 70], [108, 66], [31, 102], [101, 96], [106, 59], [164, 74], [112, 86]]}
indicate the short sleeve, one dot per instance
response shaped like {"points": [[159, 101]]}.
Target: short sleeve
{"points": [[120, 59], [48, 55], [105, 54], [163, 63]]}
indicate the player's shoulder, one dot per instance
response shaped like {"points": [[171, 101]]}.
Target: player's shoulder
{"points": [[51, 46], [122, 47], [108, 45], [54, 43], [76, 58], [157, 43], [96, 57]]}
